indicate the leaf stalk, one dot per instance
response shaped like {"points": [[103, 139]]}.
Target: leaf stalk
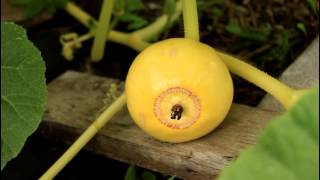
{"points": [[84, 138], [102, 29]]}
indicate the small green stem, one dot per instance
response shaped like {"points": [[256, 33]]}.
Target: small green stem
{"points": [[85, 37], [153, 29], [73, 43], [284, 94], [190, 19], [131, 40], [83, 17], [137, 39], [102, 30], [84, 138]]}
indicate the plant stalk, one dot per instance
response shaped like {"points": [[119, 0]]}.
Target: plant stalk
{"points": [[131, 40], [82, 16], [280, 91], [284, 94], [137, 40], [271, 85], [190, 19], [153, 29], [141, 36], [84, 138], [102, 31]]}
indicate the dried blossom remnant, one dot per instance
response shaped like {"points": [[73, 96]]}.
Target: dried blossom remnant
{"points": [[176, 111], [171, 103]]}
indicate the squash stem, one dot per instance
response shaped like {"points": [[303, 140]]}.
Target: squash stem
{"points": [[153, 29], [138, 39], [102, 30], [190, 19], [284, 94], [82, 16], [84, 138]]}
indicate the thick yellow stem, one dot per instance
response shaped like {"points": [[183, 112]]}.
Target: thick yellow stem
{"points": [[144, 34], [271, 85], [190, 19], [84, 138], [153, 29], [131, 40], [280, 91], [102, 30]]}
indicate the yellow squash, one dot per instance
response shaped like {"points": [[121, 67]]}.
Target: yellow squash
{"points": [[178, 90]]}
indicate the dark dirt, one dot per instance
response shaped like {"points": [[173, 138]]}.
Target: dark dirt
{"points": [[39, 154]]}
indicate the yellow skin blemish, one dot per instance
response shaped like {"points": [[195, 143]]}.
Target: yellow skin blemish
{"points": [[178, 72]]}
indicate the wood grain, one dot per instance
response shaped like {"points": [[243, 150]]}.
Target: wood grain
{"points": [[75, 99]]}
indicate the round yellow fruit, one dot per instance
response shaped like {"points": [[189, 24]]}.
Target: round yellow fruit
{"points": [[178, 90]]}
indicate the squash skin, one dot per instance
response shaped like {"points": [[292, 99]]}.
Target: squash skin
{"points": [[180, 71]]}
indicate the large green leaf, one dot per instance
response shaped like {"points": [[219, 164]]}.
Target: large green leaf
{"points": [[23, 90], [288, 149]]}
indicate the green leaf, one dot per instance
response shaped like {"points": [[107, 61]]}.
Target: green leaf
{"points": [[205, 4], [313, 5], [171, 178], [260, 34], [302, 28], [216, 12], [23, 90], [134, 5], [131, 173], [148, 176], [169, 7], [280, 51], [128, 13], [288, 149], [34, 8], [20, 2], [59, 3], [119, 7], [134, 21]]}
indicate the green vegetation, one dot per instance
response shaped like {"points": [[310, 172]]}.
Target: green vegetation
{"points": [[34, 7], [23, 90], [287, 149]]}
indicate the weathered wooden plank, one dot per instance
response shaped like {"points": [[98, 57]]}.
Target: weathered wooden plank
{"points": [[75, 99]]}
